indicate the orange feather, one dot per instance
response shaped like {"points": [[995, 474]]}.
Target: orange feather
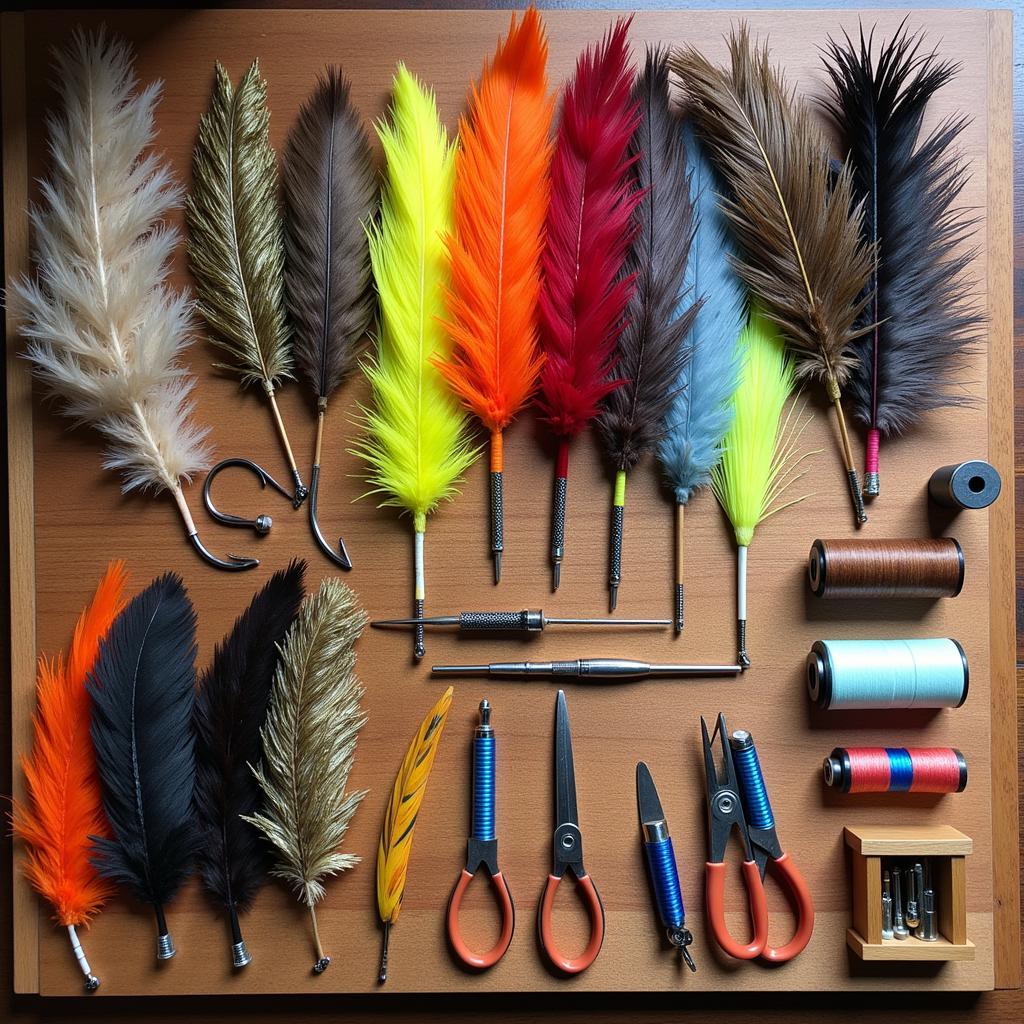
{"points": [[501, 201], [64, 806]]}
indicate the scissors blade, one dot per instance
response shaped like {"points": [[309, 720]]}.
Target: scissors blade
{"points": [[565, 772], [647, 801]]}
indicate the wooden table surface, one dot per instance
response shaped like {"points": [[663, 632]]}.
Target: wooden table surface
{"points": [[999, 1006]]}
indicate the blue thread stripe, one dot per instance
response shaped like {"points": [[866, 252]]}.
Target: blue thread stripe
{"points": [[901, 769], [661, 860], [483, 788], [756, 805]]}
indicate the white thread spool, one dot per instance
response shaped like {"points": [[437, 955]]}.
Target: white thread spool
{"points": [[925, 673]]}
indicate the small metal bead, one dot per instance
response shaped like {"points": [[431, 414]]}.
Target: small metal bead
{"points": [[165, 947], [321, 965], [92, 983], [240, 955]]}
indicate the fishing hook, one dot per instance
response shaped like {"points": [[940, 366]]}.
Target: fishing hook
{"points": [[235, 563], [339, 557], [262, 523]]}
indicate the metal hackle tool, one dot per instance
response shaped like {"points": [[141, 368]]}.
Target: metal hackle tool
{"points": [[530, 620], [585, 668]]}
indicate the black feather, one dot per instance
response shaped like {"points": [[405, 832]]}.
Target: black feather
{"points": [[924, 315], [651, 353], [230, 709], [331, 195], [142, 689]]}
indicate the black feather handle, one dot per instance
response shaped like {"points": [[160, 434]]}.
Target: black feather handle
{"points": [[143, 689], [230, 709]]}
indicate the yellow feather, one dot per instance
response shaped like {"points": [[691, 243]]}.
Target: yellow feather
{"points": [[403, 807], [416, 444]]}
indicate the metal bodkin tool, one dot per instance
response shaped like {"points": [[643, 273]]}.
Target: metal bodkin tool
{"points": [[530, 620], [929, 928], [915, 890], [886, 906], [899, 928], [585, 668]]}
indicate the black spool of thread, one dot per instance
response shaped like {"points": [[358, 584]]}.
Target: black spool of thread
{"points": [[975, 484]]}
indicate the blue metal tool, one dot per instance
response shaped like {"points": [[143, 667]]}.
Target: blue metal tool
{"points": [[661, 862]]}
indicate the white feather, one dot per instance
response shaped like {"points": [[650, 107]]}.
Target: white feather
{"points": [[104, 329]]}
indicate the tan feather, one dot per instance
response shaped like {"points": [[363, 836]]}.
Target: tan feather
{"points": [[105, 331], [309, 742], [801, 250], [236, 237]]}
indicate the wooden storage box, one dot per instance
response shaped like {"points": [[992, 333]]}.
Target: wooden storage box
{"points": [[947, 848]]}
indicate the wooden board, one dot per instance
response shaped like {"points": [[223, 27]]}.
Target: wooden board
{"points": [[80, 521]]}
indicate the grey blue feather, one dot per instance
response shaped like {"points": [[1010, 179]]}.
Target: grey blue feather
{"points": [[701, 410]]}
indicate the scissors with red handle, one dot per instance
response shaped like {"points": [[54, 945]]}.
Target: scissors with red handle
{"points": [[738, 800], [482, 851], [568, 856]]}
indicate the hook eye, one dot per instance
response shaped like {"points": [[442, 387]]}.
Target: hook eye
{"points": [[260, 523]]}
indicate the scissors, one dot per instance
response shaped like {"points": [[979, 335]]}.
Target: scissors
{"points": [[482, 851], [741, 789], [568, 855]]}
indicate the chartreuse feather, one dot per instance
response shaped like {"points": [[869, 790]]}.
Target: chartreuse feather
{"points": [[759, 456], [416, 443]]}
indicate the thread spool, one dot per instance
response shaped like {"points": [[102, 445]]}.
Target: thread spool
{"points": [[883, 569], [864, 674], [974, 484], [896, 770]]}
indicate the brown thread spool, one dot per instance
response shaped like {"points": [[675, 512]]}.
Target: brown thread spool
{"points": [[908, 568]]}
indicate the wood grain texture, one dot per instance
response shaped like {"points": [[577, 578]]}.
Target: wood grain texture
{"points": [[607, 816], [22, 595], [908, 841]]}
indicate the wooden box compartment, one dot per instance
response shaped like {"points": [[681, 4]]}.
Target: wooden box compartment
{"points": [[947, 849]]}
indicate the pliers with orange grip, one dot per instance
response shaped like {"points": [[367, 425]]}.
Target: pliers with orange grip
{"points": [[737, 800], [482, 851]]}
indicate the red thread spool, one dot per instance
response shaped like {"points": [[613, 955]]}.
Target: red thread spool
{"points": [[866, 568], [896, 770]]}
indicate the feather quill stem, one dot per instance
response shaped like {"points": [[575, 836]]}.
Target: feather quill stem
{"points": [[760, 452], [415, 441], [104, 330], [143, 691], [400, 819], [309, 742], [799, 232], [650, 351], [64, 806], [331, 197], [231, 706], [701, 408], [236, 242], [922, 318], [500, 204], [589, 229]]}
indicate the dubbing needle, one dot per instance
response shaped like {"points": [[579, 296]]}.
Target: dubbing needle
{"points": [[585, 668], [530, 620]]}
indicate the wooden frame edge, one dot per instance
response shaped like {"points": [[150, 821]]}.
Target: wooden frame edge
{"points": [[25, 911], [1002, 622]]}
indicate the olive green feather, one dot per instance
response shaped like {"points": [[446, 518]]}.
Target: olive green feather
{"points": [[309, 740], [236, 235]]}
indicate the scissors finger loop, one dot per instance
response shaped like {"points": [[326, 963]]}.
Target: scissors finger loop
{"points": [[481, 961]]}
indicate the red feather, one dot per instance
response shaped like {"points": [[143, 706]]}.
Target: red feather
{"points": [[589, 229]]}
